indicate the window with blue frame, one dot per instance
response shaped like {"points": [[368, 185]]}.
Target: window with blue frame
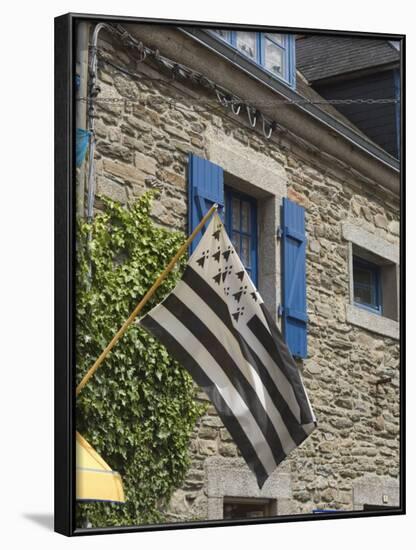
{"points": [[274, 52], [367, 285], [241, 225]]}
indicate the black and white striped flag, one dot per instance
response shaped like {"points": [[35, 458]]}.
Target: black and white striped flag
{"points": [[216, 325]]}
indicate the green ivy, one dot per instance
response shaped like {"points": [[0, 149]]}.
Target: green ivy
{"points": [[139, 409]]}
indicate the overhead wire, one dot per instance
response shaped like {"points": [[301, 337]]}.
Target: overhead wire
{"points": [[224, 98]]}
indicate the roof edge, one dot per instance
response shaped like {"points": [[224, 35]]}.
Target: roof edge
{"points": [[351, 75]]}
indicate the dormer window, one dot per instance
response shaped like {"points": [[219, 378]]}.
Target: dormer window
{"points": [[272, 51]]}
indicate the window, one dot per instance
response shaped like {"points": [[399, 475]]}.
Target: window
{"points": [[232, 491], [373, 272], [376, 507], [241, 226], [246, 42], [274, 52], [366, 280], [246, 508], [274, 58]]}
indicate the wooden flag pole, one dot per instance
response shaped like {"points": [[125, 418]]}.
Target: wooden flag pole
{"points": [[144, 300]]}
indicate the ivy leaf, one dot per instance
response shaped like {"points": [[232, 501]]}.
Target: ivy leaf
{"points": [[161, 434]]}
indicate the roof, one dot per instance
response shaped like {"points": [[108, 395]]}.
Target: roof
{"points": [[323, 57], [305, 91]]}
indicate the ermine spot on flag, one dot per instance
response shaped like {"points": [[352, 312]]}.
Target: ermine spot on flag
{"points": [[216, 325]]}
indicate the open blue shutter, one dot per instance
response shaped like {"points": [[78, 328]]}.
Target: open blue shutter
{"points": [[294, 313], [206, 187]]}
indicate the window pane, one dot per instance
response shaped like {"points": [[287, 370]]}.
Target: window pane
{"points": [[245, 250], [363, 276], [224, 34], [235, 207], [365, 285], [245, 217], [363, 295], [276, 38], [238, 510], [246, 42], [274, 58], [241, 211], [235, 239]]}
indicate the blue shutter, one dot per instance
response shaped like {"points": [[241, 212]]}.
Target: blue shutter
{"points": [[206, 187], [294, 313]]}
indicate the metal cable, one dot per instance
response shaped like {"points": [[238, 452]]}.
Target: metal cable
{"points": [[228, 99], [225, 98]]}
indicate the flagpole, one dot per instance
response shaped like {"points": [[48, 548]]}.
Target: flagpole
{"points": [[144, 300]]}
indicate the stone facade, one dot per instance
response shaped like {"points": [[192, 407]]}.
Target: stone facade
{"points": [[351, 373]]}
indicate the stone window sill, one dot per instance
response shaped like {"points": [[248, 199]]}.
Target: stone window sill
{"points": [[372, 321]]}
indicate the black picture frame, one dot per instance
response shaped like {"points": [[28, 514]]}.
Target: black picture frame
{"points": [[64, 419]]}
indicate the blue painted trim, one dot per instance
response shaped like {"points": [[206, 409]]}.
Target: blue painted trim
{"points": [[375, 288], [292, 60], [288, 48], [260, 49], [229, 195], [374, 310], [233, 39]]}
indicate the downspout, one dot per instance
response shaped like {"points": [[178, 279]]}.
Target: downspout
{"points": [[93, 91], [82, 36]]}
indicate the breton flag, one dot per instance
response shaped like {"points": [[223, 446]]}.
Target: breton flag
{"points": [[216, 325]]}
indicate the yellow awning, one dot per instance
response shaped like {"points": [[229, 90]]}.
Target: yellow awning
{"points": [[95, 479]]}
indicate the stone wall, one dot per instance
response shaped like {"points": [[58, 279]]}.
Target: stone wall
{"points": [[143, 143], [358, 417]]}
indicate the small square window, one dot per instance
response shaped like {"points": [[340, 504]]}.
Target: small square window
{"points": [[373, 269], [367, 284]]}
